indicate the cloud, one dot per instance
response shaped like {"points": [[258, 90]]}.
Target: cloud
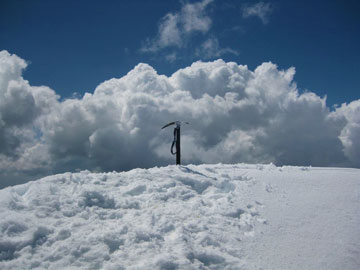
{"points": [[22, 108], [171, 57], [261, 10], [176, 28], [236, 115], [210, 48], [20, 105], [177, 32], [350, 133]]}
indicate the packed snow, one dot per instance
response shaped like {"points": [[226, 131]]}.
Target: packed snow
{"points": [[185, 217]]}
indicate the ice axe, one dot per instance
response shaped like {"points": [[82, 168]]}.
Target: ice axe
{"points": [[176, 140]]}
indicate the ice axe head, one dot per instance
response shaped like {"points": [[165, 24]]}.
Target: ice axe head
{"points": [[177, 123]]}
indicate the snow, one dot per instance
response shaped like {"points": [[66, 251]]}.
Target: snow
{"points": [[184, 217]]}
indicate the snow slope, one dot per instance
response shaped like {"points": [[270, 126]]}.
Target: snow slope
{"points": [[188, 217]]}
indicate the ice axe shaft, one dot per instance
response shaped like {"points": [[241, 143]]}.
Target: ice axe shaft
{"points": [[178, 150], [176, 141]]}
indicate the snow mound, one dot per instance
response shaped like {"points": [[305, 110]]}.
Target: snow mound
{"points": [[184, 217]]}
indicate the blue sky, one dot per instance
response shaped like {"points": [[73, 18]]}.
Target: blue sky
{"points": [[75, 45]]}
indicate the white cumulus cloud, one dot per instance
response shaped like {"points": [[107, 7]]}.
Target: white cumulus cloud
{"points": [[350, 133], [235, 114]]}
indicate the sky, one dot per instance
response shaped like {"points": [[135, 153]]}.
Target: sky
{"points": [[75, 45], [87, 84]]}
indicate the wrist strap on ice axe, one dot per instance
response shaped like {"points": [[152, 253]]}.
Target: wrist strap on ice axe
{"points": [[174, 141]]}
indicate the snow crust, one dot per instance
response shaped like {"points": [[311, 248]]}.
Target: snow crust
{"points": [[184, 217]]}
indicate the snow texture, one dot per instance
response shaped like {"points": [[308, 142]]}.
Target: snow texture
{"points": [[184, 217]]}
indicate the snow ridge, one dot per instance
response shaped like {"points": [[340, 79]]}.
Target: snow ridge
{"points": [[177, 217]]}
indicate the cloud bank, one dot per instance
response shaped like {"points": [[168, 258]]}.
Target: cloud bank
{"points": [[236, 115]]}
